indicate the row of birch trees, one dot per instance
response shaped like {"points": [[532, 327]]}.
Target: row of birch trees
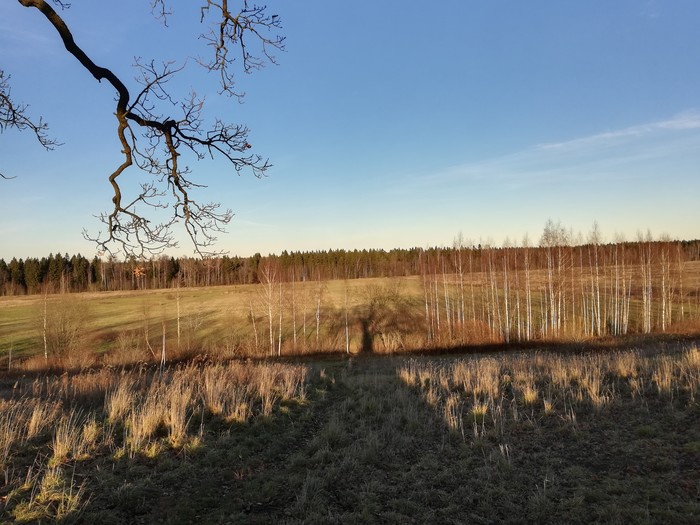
{"points": [[577, 291], [561, 288], [556, 291]]}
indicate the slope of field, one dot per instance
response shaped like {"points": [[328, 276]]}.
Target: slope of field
{"points": [[210, 318], [383, 315]]}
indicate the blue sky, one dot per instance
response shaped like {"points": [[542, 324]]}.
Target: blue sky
{"points": [[389, 123]]}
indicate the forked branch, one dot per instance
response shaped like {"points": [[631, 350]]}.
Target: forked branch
{"points": [[167, 137]]}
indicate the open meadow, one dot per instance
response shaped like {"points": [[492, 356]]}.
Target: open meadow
{"points": [[224, 320], [278, 317], [439, 399]]}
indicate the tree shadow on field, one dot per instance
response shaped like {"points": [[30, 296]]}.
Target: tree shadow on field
{"points": [[362, 448], [367, 446], [385, 452], [371, 445], [385, 319], [367, 337], [382, 454]]}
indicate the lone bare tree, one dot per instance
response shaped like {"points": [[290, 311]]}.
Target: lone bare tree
{"points": [[243, 34]]}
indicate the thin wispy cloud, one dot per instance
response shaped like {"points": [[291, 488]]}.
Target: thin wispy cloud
{"points": [[683, 121], [651, 10], [25, 33], [18, 42], [624, 154]]}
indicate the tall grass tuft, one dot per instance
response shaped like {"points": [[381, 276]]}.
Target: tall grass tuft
{"points": [[453, 413], [178, 398], [120, 400], [591, 381], [70, 441], [690, 371], [12, 428], [44, 415], [144, 420], [663, 375], [54, 498]]}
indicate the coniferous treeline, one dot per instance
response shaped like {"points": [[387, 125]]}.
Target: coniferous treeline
{"points": [[66, 274]]}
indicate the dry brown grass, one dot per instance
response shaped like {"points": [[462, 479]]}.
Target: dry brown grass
{"points": [[54, 497], [664, 376], [561, 384], [453, 412], [119, 400], [400, 439], [690, 371], [68, 439], [72, 417], [11, 429], [43, 416]]}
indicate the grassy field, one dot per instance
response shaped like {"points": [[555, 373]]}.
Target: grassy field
{"points": [[509, 437], [210, 318], [548, 431], [387, 315]]}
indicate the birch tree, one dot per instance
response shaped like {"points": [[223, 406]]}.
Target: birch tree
{"points": [[528, 292], [269, 297], [645, 256]]}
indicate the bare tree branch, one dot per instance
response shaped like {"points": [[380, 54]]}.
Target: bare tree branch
{"points": [[164, 138], [160, 10], [231, 31], [13, 115]]}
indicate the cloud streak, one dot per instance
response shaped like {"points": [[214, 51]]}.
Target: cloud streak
{"points": [[623, 154], [686, 120]]}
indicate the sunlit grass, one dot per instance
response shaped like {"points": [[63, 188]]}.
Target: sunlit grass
{"points": [[561, 385], [517, 436], [123, 328], [63, 420]]}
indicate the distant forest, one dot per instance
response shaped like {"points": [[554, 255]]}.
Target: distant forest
{"points": [[67, 274]]}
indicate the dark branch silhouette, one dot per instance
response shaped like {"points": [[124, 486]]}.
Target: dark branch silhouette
{"points": [[166, 137], [13, 115]]}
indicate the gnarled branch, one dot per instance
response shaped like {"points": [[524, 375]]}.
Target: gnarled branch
{"points": [[166, 137]]}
